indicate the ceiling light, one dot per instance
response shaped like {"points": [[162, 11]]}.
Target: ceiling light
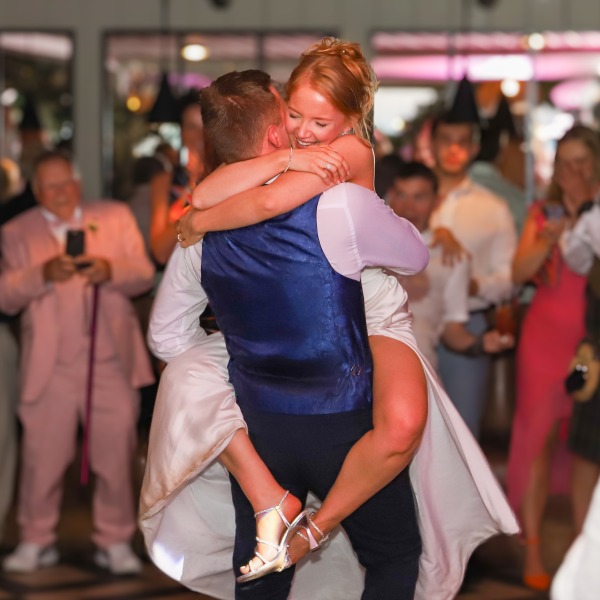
{"points": [[536, 41], [398, 123], [134, 103], [194, 52], [9, 97], [510, 87]]}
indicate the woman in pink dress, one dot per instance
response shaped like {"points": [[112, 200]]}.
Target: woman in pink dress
{"points": [[552, 328]]}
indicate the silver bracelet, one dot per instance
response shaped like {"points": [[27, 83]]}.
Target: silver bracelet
{"points": [[289, 161]]}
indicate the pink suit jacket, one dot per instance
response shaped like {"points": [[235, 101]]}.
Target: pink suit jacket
{"points": [[27, 243]]}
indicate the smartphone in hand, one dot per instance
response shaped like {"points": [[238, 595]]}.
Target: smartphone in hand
{"points": [[76, 246], [75, 242], [554, 212]]}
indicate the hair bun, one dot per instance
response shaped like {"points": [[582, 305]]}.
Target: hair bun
{"points": [[339, 70], [335, 47]]}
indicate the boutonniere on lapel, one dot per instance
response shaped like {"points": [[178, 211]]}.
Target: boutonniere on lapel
{"points": [[92, 226]]}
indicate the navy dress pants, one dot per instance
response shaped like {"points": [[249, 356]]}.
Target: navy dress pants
{"points": [[306, 452]]}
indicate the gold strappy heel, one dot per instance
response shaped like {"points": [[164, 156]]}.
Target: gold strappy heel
{"points": [[281, 559]]}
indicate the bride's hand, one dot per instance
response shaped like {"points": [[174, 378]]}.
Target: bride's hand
{"points": [[323, 161], [187, 232]]}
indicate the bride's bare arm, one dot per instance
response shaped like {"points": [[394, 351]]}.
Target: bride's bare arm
{"points": [[286, 193], [228, 180]]}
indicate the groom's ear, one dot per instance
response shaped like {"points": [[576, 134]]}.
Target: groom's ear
{"points": [[274, 137]]}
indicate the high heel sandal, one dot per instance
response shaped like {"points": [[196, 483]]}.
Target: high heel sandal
{"points": [[281, 559], [536, 581], [309, 537]]}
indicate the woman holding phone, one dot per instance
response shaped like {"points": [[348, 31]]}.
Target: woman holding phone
{"points": [[551, 330]]}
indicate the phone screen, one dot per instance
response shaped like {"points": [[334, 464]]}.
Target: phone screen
{"points": [[554, 212], [75, 242]]}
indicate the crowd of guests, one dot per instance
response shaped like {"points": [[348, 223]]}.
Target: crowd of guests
{"points": [[554, 438], [485, 246]]}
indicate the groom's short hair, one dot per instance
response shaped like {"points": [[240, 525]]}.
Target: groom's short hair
{"points": [[237, 109]]}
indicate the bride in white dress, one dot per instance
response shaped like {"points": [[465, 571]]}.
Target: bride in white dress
{"points": [[186, 512]]}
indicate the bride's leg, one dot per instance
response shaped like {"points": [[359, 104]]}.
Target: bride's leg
{"points": [[399, 417], [262, 490]]}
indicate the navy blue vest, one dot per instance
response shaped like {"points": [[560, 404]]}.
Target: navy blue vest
{"points": [[294, 328]]}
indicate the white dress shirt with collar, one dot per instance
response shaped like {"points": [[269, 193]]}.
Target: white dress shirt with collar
{"points": [[580, 244], [483, 224], [437, 296], [58, 227]]}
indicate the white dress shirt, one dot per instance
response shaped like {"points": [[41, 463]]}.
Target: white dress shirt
{"points": [[484, 226], [580, 244], [59, 228], [437, 296]]}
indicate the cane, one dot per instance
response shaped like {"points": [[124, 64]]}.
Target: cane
{"points": [[85, 469]]}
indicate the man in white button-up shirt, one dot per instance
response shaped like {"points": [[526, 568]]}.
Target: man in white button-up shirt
{"points": [[482, 224], [438, 295]]}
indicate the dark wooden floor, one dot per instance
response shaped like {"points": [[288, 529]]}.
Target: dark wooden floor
{"points": [[493, 573]]}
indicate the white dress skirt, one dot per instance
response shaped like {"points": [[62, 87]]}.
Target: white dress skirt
{"points": [[186, 512]]}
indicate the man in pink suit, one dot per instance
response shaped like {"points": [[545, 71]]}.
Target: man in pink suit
{"points": [[54, 292]]}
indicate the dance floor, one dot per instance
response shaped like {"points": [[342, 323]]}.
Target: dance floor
{"points": [[493, 572], [493, 575]]}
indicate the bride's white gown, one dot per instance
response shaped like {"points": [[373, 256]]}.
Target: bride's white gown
{"points": [[187, 517]]}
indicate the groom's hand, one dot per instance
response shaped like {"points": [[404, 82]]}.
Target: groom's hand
{"points": [[187, 234]]}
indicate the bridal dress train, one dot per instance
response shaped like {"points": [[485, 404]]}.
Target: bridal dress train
{"points": [[186, 513]]}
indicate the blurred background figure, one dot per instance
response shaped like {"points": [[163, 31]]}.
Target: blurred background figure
{"points": [[471, 219], [33, 137], [382, 145], [55, 291], [580, 246], [15, 193], [438, 296], [11, 183], [171, 190], [551, 331], [386, 168], [145, 169], [8, 381], [495, 138], [33, 142], [578, 578], [8, 420]]}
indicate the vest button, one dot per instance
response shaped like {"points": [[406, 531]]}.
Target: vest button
{"points": [[356, 370]]}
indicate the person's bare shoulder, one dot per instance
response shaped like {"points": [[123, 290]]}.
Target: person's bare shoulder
{"points": [[352, 142], [359, 154]]}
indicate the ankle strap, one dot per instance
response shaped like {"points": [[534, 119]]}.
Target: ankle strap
{"points": [[277, 508], [311, 523]]}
